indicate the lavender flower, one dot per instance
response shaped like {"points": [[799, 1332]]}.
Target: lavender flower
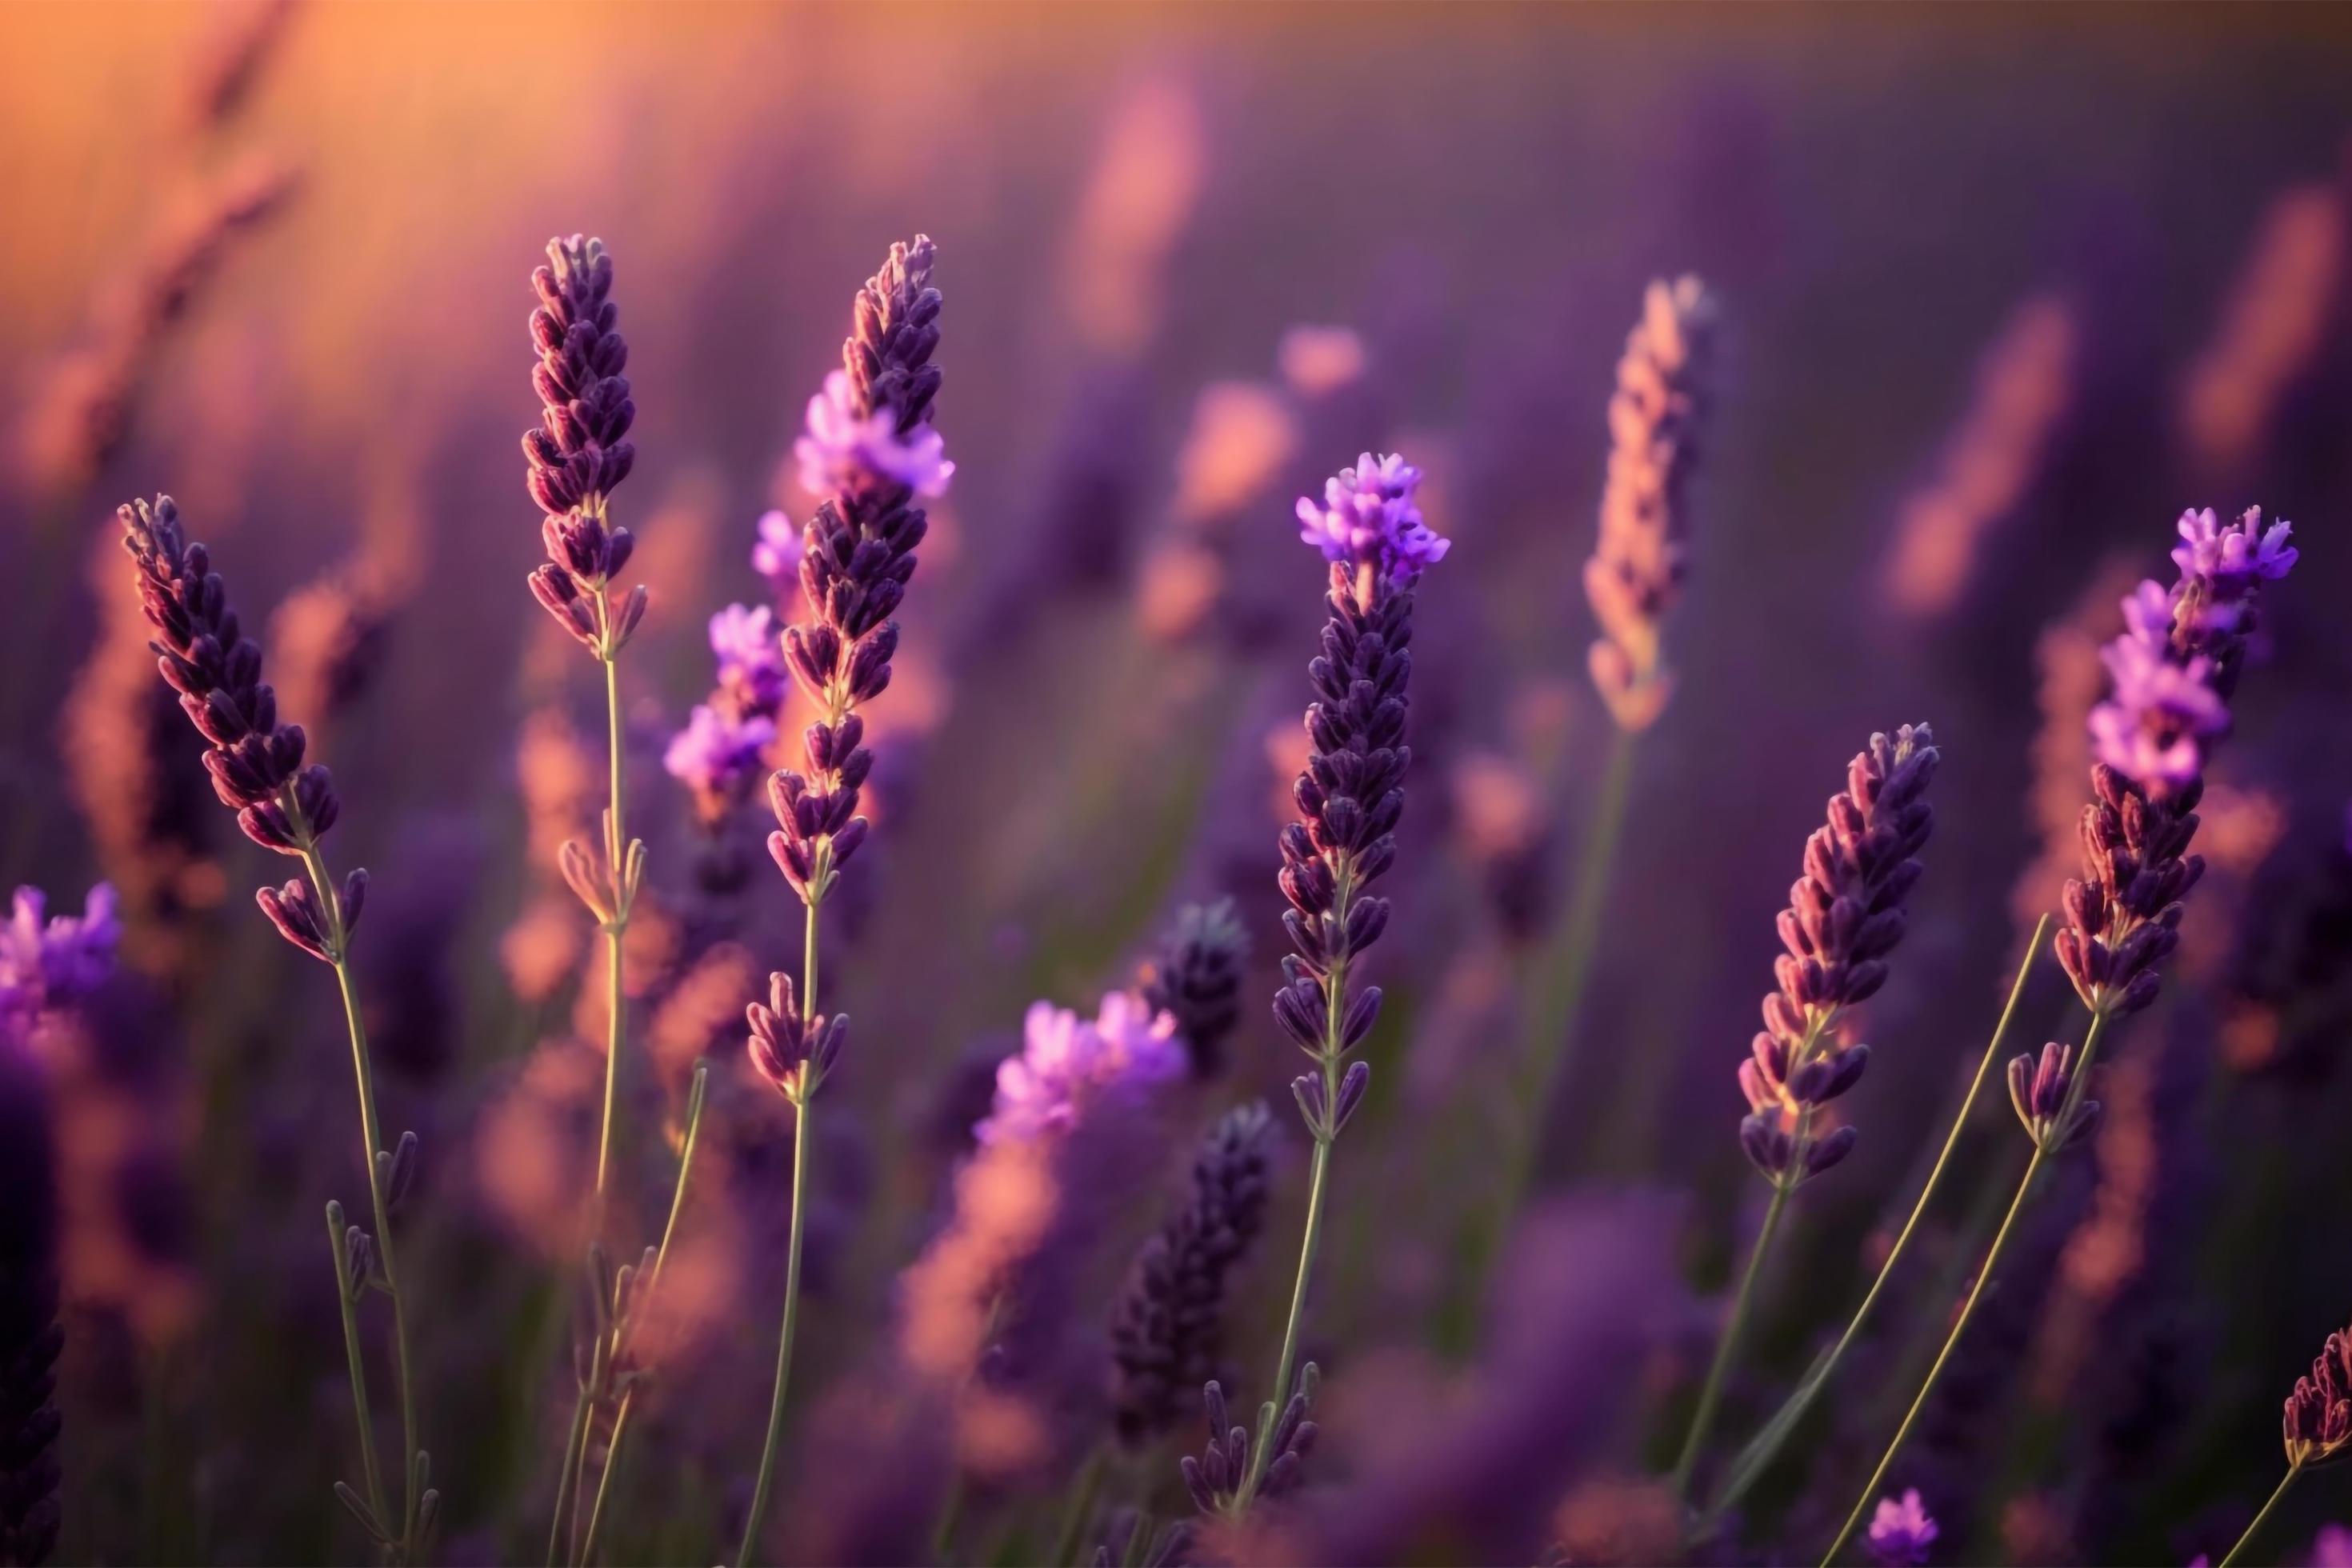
{"points": [[255, 762], [56, 962], [2317, 1423], [1844, 916], [2173, 671], [1637, 564], [857, 556], [1065, 1062], [581, 450], [1350, 798], [1166, 1326], [1351, 794], [2041, 1090], [1367, 513], [869, 444], [1901, 1530], [1197, 978], [849, 440], [776, 556], [1219, 1479], [782, 1042], [716, 750], [718, 753]]}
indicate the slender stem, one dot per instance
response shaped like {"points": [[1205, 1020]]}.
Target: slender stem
{"points": [[572, 1451], [359, 1366], [800, 1114], [2285, 1482], [617, 929], [1318, 1182], [1951, 1342], [1083, 1493], [372, 1138], [1711, 1393], [1751, 1463], [661, 1257], [1566, 965], [599, 1369]]}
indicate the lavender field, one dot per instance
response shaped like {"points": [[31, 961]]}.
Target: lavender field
{"points": [[1050, 784]]}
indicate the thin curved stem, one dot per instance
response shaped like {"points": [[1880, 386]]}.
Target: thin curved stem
{"points": [[1567, 965], [1711, 1393], [1951, 1342], [801, 1120], [2284, 1481], [567, 1477], [1319, 1182], [661, 1257], [372, 1141], [617, 929], [359, 1364], [1752, 1462]]}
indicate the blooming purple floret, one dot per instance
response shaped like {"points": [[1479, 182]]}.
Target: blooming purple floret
{"points": [[715, 754], [1844, 916], [2172, 670], [776, 556], [1067, 1061], [1367, 518], [2178, 658], [1901, 1530], [848, 440], [57, 961], [751, 656]]}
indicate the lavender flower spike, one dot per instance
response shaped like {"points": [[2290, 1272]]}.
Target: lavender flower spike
{"points": [[255, 761], [857, 556], [1165, 1329], [1197, 977], [1350, 798], [1637, 564], [2317, 1425], [581, 450], [2172, 673], [1844, 916], [870, 450], [257, 771]]}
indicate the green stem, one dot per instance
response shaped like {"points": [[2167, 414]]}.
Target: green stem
{"points": [[359, 1366], [800, 1119], [572, 1448], [616, 840], [2284, 1481], [372, 1138], [1711, 1393], [1752, 1462], [661, 1257], [1566, 965], [1087, 1487], [1951, 1342], [1318, 1182]]}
